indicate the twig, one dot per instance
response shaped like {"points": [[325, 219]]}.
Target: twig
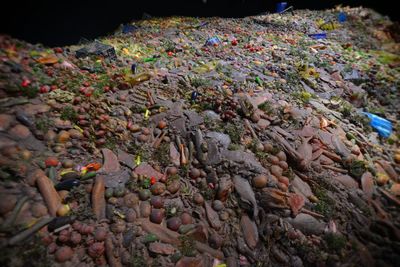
{"points": [[27, 233]]}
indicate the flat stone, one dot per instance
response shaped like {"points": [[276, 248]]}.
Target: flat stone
{"points": [[19, 131], [174, 155], [223, 139], [126, 159], [307, 224], [5, 121], [243, 157], [178, 124], [161, 248], [115, 179], [347, 181], [148, 171], [32, 109], [213, 155], [110, 161], [194, 118], [301, 187]]}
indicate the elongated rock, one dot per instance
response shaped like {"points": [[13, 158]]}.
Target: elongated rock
{"points": [[246, 194], [367, 184], [49, 193], [98, 199], [250, 232], [212, 216]]}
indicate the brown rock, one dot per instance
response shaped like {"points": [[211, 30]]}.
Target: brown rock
{"points": [[367, 184], [161, 248], [19, 131], [110, 161], [5, 121], [32, 109], [148, 171], [250, 231]]}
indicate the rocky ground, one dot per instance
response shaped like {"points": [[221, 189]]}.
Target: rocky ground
{"points": [[204, 142]]}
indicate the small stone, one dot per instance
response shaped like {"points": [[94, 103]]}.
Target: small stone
{"points": [[19, 131], [263, 124], [75, 134], [63, 137]]}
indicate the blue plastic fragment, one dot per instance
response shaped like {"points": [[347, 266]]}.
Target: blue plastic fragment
{"points": [[194, 95], [280, 6], [318, 35], [342, 17], [128, 28], [133, 68], [212, 41], [381, 125]]}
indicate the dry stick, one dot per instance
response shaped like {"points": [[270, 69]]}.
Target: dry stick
{"points": [[248, 125], [98, 200], [168, 236], [333, 168], [25, 234], [309, 212], [158, 140], [49, 194], [332, 156]]}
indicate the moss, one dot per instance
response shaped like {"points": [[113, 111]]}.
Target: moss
{"points": [[173, 210], [325, 204], [199, 82], [266, 107], [335, 242], [161, 154], [357, 168], [68, 113], [111, 143], [137, 259], [187, 246], [43, 124], [234, 147], [235, 132], [27, 254], [84, 210]]}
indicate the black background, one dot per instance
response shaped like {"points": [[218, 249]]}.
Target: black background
{"points": [[56, 23]]}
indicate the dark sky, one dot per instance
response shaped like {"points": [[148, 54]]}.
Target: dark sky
{"points": [[65, 22]]}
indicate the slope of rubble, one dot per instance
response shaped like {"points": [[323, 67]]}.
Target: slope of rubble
{"points": [[205, 142]]}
